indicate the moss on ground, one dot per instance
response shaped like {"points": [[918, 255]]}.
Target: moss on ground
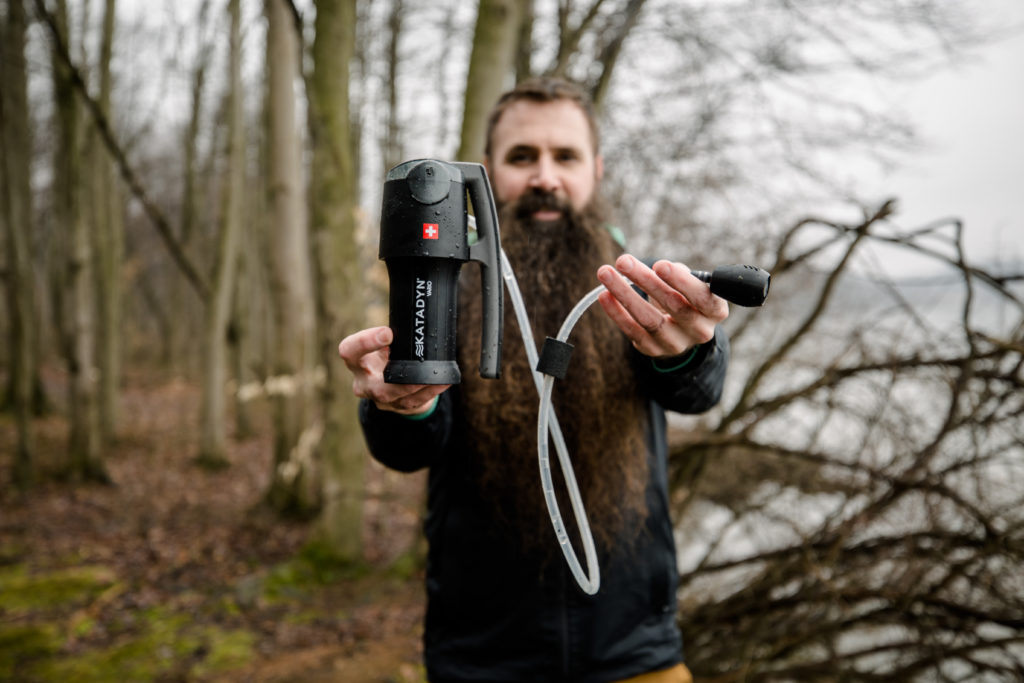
{"points": [[43, 628], [21, 643], [24, 591], [81, 624]]}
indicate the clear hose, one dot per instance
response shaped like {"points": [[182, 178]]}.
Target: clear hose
{"points": [[547, 422]]}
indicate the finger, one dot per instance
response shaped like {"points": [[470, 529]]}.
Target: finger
{"points": [[661, 293], [671, 339], [625, 322], [622, 319], [696, 292], [355, 347], [416, 400], [645, 314], [400, 398]]}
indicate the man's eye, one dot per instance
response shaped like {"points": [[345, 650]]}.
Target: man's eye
{"points": [[567, 156], [519, 158]]}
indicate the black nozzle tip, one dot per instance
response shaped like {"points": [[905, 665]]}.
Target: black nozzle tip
{"points": [[740, 284]]}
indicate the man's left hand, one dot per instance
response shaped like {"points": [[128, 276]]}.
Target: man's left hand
{"points": [[681, 311]]}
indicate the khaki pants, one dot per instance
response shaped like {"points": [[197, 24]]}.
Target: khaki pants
{"points": [[677, 674]]}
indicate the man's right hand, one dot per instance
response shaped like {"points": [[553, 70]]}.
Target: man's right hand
{"points": [[365, 354]]}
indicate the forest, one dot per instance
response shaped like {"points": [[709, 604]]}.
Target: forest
{"points": [[189, 207]]}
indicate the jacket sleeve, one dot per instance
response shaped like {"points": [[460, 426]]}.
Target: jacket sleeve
{"points": [[691, 383], [406, 443]]}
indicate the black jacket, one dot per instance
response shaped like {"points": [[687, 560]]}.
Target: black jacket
{"points": [[493, 617]]}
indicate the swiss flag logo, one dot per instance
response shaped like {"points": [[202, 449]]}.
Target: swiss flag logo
{"points": [[430, 231]]}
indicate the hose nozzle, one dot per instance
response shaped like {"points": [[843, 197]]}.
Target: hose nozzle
{"points": [[739, 284]]}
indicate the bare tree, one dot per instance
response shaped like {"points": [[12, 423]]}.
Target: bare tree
{"points": [[16, 219], [855, 513], [491, 65], [291, 271], [590, 40], [192, 205], [340, 290], [218, 310], [108, 244], [62, 57], [739, 114], [76, 286], [391, 145], [73, 280]]}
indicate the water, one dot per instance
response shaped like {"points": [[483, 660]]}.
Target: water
{"points": [[899, 457]]}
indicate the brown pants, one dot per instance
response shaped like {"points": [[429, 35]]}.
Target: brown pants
{"points": [[677, 674]]}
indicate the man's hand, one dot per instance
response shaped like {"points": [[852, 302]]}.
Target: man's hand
{"points": [[366, 353], [681, 311]]}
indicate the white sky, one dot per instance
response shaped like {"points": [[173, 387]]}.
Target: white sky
{"points": [[972, 118]]}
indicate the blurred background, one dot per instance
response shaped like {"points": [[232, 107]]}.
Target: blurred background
{"points": [[189, 196]]}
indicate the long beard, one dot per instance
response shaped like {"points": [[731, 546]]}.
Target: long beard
{"points": [[600, 411]]}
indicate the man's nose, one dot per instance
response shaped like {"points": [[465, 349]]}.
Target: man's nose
{"points": [[544, 175]]}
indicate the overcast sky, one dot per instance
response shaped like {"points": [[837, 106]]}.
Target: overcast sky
{"points": [[972, 117]]}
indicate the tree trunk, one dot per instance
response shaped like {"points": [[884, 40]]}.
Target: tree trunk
{"points": [[524, 42], [340, 293], [491, 66], [178, 346], [613, 48], [108, 229], [212, 440], [239, 335], [391, 148], [16, 216], [76, 277], [296, 482]]}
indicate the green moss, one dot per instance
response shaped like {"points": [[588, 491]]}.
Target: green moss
{"points": [[407, 565], [303, 616], [154, 651], [166, 646], [82, 627], [328, 566], [21, 591], [315, 566], [12, 551], [42, 610], [226, 650], [227, 605], [20, 644]]}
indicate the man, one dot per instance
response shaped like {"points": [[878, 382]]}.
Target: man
{"points": [[502, 605]]}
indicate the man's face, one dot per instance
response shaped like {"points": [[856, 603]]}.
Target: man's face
{"points": [[545, 147]]}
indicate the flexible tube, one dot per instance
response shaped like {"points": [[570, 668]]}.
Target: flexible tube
{"points": [[547, 423]]}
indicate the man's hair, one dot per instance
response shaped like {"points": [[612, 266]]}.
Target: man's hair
{"points": [[542, 90]]}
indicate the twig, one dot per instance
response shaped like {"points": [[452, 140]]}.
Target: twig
{"points": [[161, 224]]}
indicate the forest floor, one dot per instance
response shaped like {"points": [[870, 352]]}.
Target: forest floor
{"points": [[177, 573]]}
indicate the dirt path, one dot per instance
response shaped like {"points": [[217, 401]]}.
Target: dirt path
{"points": [[176, 573]]}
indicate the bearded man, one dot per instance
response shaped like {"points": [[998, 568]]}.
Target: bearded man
{"points": [[502, 605]]}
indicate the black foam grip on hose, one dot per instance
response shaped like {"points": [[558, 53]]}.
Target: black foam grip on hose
{"points": [[554, 358]]}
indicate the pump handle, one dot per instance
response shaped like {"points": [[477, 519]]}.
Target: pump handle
{"points": [[487, 252]]}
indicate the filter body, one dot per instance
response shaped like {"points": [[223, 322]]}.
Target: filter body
{"points": [[424, 243]]}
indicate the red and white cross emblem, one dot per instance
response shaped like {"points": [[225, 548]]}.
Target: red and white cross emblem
{"points": [[430, 231]]}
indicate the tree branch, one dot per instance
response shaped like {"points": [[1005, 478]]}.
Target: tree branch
{"points": [[156, 217]]}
